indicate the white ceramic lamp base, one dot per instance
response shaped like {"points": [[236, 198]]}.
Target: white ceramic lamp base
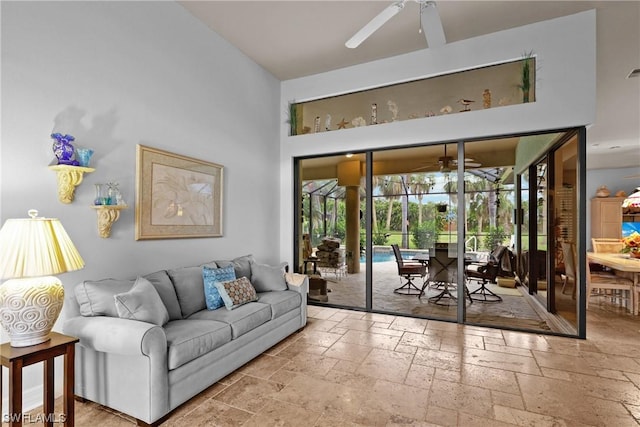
{"points": [[29, 308]]}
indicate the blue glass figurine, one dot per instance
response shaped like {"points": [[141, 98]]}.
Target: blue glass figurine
{"points": [[63, 149]]}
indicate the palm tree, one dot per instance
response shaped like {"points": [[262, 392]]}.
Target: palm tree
{"points": [[378, 182], [451, 187], [390, 189], [492, 205], [405, 211], [505, 212], [420, 184], [475, 192]]}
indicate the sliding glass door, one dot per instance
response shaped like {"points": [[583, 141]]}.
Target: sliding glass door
{"points": [[458, 231], [330, 238], [413, 214], [549, 224]]}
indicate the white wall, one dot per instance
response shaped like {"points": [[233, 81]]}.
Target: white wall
{"points": [[565, 96], [117, 74]]}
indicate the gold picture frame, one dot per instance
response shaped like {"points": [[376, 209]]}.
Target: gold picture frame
{"points": [[177, 197]]}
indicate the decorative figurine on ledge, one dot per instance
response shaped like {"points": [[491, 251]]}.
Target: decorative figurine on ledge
{"points": [[465, 104], [63, 149], [83, 155], [486, 98], [393, 108], [603, 191]]}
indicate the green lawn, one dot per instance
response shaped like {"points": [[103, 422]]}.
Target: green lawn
{"points": [[397, 239]]}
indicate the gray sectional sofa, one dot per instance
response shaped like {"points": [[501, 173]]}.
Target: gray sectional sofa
{"points": [[147, 368]]}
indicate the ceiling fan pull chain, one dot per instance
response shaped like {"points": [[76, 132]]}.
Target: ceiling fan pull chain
{"points": [[423, 6]]}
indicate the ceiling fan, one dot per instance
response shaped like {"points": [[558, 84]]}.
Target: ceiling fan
{"points": [[430, 23], [448, 163]]}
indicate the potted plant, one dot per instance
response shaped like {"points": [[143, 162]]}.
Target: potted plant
{"points": [[525, 84]]}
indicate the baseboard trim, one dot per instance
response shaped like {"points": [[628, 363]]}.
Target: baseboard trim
{"points": [[31, 398]]}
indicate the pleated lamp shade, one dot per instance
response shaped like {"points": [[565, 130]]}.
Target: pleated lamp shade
{"points": [[632, 203], [31, 248]]}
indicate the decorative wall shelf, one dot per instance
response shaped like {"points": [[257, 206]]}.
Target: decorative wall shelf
{"points": [[493, 86], [69, 177], [107, 215]]}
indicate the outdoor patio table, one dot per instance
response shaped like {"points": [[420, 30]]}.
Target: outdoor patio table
{"points": [[422, 258]]}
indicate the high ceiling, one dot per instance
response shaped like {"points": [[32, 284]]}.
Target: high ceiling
{"points": [[299, 38]]}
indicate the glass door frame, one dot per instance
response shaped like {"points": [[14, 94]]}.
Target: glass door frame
{"points": [[532, 248], [580, 132]]}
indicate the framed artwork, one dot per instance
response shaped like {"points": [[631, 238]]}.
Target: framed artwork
{"points": [[177, 196]]}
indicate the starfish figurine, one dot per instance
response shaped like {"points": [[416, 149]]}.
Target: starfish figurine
{"points": [[342, 124]]}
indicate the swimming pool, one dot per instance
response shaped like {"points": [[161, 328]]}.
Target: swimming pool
{"points": [[386, 255], [381, 254]]}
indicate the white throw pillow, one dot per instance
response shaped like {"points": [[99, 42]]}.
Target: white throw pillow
{"points": [[142, 303], [267, 278]]}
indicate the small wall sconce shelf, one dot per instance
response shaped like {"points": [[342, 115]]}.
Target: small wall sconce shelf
{"points": [[107, 215], [69, 177]]}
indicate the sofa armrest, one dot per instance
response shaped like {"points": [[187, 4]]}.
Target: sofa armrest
{"points": [[115, 335], [297, 282], [300, 283]]}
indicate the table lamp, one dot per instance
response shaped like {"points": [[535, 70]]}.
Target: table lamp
{"points": [[32, 250], [631, 204]]}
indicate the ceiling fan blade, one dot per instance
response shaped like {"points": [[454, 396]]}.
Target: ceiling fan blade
{"points": [[431, 24], [377, 22], [426, 168], [468, 162]]}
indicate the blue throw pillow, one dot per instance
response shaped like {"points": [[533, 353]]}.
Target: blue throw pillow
{"points": [[211, 276]]}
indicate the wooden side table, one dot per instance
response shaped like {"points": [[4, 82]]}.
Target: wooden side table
{"points": [[15, 358]]}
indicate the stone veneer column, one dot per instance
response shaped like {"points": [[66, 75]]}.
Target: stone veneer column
{"points": [[349, 175], [352, 202]]}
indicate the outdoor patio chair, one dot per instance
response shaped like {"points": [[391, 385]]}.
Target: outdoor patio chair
{"points": [[486, 273], [408, 271]]}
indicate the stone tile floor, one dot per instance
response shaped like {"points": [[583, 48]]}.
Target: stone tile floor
{"points": [[514, 311], [350, 368]]}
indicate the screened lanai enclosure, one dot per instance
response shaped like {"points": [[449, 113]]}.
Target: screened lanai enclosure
{"points": [[415, 210], [478, 227]]}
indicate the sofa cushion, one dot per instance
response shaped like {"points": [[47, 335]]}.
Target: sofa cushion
{"points": [[161, 281], [265, 278], [242, 319], [211, 276], [236, 292], [95, 298], [189, 288], [281, 302], [190, 339], [242, 265], [142, 303]]}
